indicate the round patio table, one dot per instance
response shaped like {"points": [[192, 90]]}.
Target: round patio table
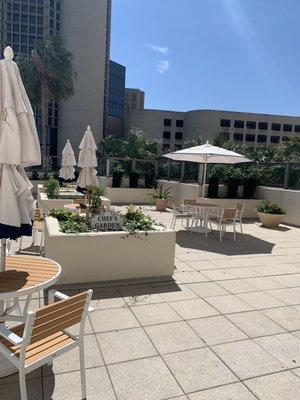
{"points": [[205, 207], [23, 276]]}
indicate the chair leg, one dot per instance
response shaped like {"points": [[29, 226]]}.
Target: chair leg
{"points": [[241, 225], [20, 246], [22, 380], [234, 233], [82, 368], [221, 238], [42, 240]]}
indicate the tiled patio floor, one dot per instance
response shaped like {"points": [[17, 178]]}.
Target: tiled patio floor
{"points": [[226, 328]]}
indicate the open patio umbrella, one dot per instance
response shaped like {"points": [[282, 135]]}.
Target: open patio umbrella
{"points": [[207, 154], [68, 162], [19, 148], [87, 161]]}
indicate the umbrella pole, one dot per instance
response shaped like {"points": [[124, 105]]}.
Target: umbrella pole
{"points": [[204, 178], [3, 255]]}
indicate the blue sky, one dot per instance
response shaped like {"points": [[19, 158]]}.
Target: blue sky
{"points": [[241, 55]]}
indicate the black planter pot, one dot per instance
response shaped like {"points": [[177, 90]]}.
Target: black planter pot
{"points": [[134, 179], [213, 188], [149, 180], [249, 188], [117, 179], [232, 188]]}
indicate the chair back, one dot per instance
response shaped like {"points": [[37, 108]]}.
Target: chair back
{"points": [[189, 202], [59, 316], [240, 209], [229, 214], [38, 215]]}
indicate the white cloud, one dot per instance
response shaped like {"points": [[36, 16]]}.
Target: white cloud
{"points": [[162, 66], [159, 49]]}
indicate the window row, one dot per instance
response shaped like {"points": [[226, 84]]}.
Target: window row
{"points": [[16, 28], [25, 8], [167, 135], [249, 137], [168, 122], [24, 39], [263, 126]]}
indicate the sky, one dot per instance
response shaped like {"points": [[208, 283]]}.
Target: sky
{"points": [[239, 55]]}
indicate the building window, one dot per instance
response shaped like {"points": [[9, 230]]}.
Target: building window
{"points": [[225, 123], [263, 126], [262, 138], [167, 122], [287, 127], [179, 123], [250, 137], [251, 125], [178, 146], [178, 135], [239, 124], [166, 135], [297, 128], [275, 139], [276, 127], [166, 147], [225, 135], [285, 138], [239, 137]]}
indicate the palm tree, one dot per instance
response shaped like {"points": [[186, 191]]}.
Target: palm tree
{"points": [[48, 76]]}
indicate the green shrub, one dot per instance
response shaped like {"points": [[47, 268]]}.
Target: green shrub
{"points": [[136, 220], [269, 207], [69, 222], [51, 187], [95, 199], [219, 171]]}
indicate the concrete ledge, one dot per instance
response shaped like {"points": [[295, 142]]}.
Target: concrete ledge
{"points": [[128, 195], [109, 256]]}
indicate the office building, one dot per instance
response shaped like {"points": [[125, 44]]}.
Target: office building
{"points": [[173, 128], [134, 99]]}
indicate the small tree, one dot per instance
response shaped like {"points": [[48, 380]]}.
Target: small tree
{"points": [[48, 76]]}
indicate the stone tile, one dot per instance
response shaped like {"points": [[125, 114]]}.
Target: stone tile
{"points": [[266, 270], [113, 319], [195, 308], [264, 283], [216, 330], [189, 257], [201, 265], [147, 379], [289, 268], [228, 304], [234, 391], [67, 386], [198, 369], [138, 297], [255, 324], [286, 295], [287, 317], [74, 330], [280, 386], [244, 272], [190, 277], [288, 280], [246, 359], [176, 336], [296, 371], [284, 347], [237, 262], [10, 389], [207, 289], [237, 286], [125, 345], [296, 333], [69, 361], [106, 298], [153, 314], [218, 274], [174, 292], [179, 398], [260, 300], [182, 266]]}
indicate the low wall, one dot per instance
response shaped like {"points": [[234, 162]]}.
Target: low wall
{"points": [[128, 195], [107, 256], [288, 199]]}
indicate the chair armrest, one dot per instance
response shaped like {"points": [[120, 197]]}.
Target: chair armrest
{"points": [[61, 296], [10, 336]]}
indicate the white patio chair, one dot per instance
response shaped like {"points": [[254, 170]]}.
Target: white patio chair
{"points": [[182, 213], [198, 216], [227, 217], [37, 227], [44, 336], [240, 210]]}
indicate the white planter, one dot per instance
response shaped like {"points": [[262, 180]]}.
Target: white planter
{"points": [[270, 220], [109, 256]]}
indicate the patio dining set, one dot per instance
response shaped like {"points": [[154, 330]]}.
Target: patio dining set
{"points": [[200, 216]]}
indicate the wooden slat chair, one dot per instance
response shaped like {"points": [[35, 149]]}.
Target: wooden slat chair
{"points": [[44, 336], [226, 218], [182, 213], [37, 226], [240, 210]]}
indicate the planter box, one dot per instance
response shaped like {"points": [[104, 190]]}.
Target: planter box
{"points": [[109, 256], [48, 204], [270, 220]]}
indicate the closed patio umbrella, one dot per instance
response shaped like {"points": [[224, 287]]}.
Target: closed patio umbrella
{"points": [[68, 162], [207, 154], [87, 161], [19, 148]]}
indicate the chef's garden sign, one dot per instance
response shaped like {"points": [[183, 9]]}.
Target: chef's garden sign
{"points": [[107, 221]]}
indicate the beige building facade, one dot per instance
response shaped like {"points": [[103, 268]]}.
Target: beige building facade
{"points": [[173, 128]]}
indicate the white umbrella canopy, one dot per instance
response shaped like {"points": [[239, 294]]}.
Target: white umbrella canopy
{"points": [[207, 154], [68, 162], [87, 161], [19, 148]]}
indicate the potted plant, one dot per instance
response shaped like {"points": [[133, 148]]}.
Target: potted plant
{"points": [[161, 197], [270, 213], [252, 178], [134, 179], [51, 187], [234, 179], [217, 173], [118, 171]]}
